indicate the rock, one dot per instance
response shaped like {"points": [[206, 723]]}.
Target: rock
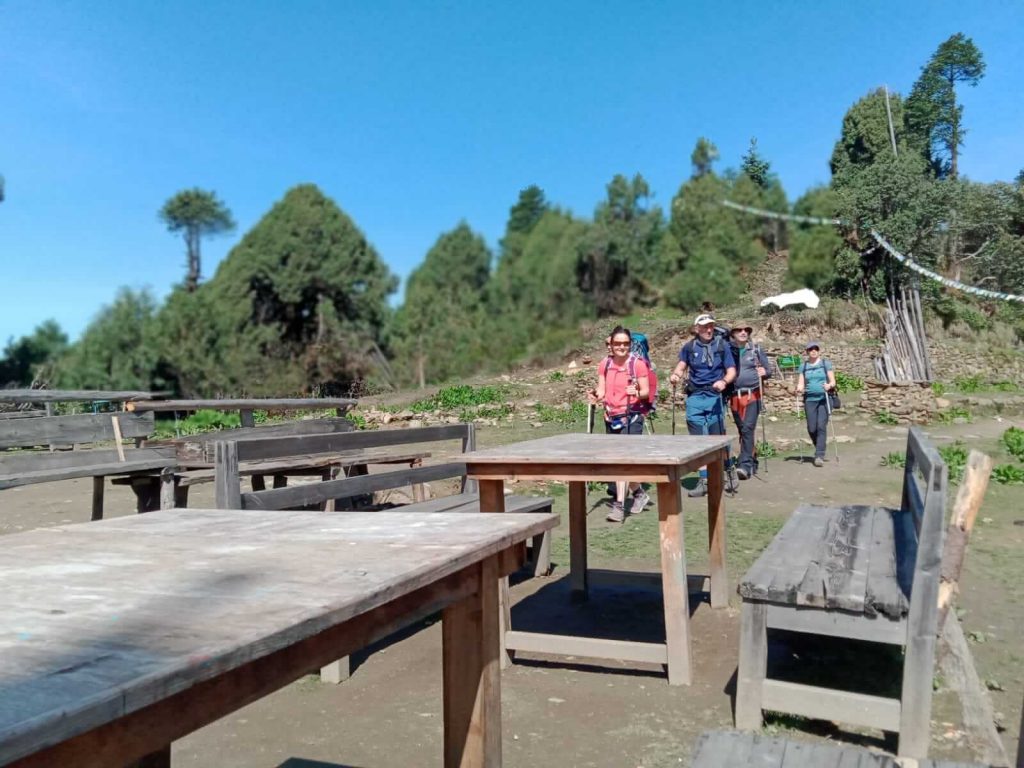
{"points": [[845, 439], [941, 402], [586, 359], [529, 403], [385, 419], [536, 424], [572, 365], [505, 377], [415, 423], [404, 415]]}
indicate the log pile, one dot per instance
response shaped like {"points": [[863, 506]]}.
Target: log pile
{"points": [[905, 354]]}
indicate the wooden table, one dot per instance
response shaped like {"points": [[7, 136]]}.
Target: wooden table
{"points": [[659, 459], [122, 635]]}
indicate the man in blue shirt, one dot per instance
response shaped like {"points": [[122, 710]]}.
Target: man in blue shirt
{"points": [[709, 360]]}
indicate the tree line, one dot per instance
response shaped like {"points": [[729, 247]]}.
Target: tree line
{"points": [[300, 303]]}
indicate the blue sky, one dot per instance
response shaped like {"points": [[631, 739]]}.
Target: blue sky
{"points": [[413, 116]]}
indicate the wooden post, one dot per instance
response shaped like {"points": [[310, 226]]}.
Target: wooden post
{"points": [[578, 539], [753, 665], [227, 488], [117, 437], [965, 511], [673, 580], [246, 418], [97, 497], [469, 444], [471, 674], [492, 499], [716, 535], [419, 490], [167, 492]]}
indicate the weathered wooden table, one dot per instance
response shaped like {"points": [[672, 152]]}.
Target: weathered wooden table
{"points": [[119, 636], [660, 459]]}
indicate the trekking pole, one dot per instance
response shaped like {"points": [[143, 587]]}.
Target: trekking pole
{"points": [[835, 439], [590, 418], [761, 412], [801, 439], [673, 409]]}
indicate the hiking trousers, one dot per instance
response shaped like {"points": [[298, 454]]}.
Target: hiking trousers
{"points": [[817, 424], [705, 415], [747, 426]]}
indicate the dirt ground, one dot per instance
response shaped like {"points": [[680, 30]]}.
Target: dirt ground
{"points": [[571, 713]]}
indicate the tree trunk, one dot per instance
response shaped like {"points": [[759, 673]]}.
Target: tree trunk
{"points": [[420, 368], [192, 244]]}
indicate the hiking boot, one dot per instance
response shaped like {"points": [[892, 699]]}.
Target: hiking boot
{"points": [[742, 473], [700, 489], [640, 500], [818, 461], [618, 514]]}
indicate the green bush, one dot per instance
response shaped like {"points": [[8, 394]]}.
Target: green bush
{"points": [[894, 460], [556, 376], [577, 411], [765, 450], [968, 384], [950, 415], [955, 456], [847, 383], [884, 417], [460, 396], [938, 388], [1008, 474], [1013, 439]]}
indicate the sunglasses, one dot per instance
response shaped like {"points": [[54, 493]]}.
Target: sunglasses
{"points": [[748, 330], [813, 349], [620, 344]]}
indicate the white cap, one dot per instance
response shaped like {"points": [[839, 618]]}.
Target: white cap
{"points": [[704, 320]]}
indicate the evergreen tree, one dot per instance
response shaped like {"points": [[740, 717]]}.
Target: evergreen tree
{"points": [[196, 213], [296, 305], [933, 114], [24, 360], [754, 166], [703, 157], [439, 324]]}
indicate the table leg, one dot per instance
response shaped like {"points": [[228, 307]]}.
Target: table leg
{"points": [[472, 675], [716, 536], [578, 538], [673, 581], [159, 759], [328, 473], [167, 490], [97, 496], [492, 499], [419, 491]]}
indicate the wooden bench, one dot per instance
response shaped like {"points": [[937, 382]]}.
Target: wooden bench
{"points": [[857, 572], [732, 749], [336, 492], [27, 466]]}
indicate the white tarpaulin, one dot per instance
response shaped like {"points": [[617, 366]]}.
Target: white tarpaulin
{"points": [[803, 296]]}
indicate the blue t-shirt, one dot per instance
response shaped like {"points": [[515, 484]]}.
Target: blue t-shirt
{"points": [[707, 363], [816, 377]]}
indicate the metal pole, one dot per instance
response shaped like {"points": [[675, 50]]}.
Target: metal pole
{"points": [[761, 416], [673, 409]]}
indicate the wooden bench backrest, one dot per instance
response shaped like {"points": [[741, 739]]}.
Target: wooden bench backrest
{"points": [[66, 430], [198, 449], [229, 452], [920, 532]]}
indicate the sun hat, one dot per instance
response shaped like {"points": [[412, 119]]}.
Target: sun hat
{"points": [[742, 325], [812, 344], [704, 319]]}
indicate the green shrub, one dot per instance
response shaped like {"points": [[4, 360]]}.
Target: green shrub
{"points": [[1013, 439], [968, 384], [460, 396], [565, 416], [1005, 386], [765, 450], [955, 456], [847, 383], [950, 415], [1008, 474], [938, 388], [556, 376], [357, 419], [884, 417], [894, 460]]}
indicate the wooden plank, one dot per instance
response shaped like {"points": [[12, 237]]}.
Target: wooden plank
{"points": [[753, 664], [227, 488], [198, 448], [673, 582], [587, 647], [86, 470], [836, 576], [38, 461], [826, 704], [115, 427], [345, 487], [882, 592], [246, 418], [70, 395], [835, 623], [960, 675], [472, 675], [469, 485], [606, 450], [276, 447], [919, 658], [86, 428], [578, 539], [716, 535], [236, 404], [566, 472]]}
